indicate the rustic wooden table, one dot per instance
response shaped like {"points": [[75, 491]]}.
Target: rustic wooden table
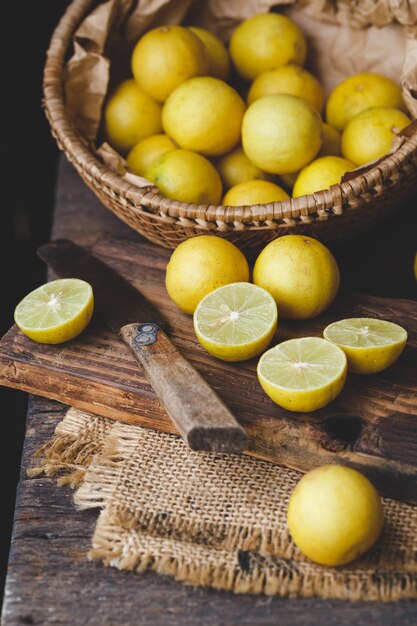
{"points": [[49, 579]]}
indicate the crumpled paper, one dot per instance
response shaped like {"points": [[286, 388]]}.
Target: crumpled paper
{"points": [[344, 37]]}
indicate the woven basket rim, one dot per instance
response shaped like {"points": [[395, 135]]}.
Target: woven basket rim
{"points": [[369, 180]]}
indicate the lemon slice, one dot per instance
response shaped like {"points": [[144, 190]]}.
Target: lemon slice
{"points": [[236, 322], [303, 374], [371, 345], [57, 311]]}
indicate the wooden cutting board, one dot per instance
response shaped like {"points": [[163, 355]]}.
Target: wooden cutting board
{"points": [[372, 425]]}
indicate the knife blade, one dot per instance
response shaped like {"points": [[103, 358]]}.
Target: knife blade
{"points": [[200, 416]]}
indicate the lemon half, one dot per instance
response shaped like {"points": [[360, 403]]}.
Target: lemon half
{"points": [[371, 345], [57, 311], [236, 322], [303, 374]]}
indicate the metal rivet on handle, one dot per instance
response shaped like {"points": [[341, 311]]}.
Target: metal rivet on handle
{"points": [[146, 334]]}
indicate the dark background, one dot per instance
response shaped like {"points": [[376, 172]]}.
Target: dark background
{"points": [[379, 262], [28, 170]]}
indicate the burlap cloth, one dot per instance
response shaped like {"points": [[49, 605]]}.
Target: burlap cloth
{"points": [[213, 520]]}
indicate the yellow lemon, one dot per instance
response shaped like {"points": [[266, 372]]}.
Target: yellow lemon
{"points": [[334, 515], [235, 167], [201, 264], [264, 42], [303, 374], [236, 322], [144, 153], [290, 79], [369, 135], [130, 115], [204, 114], [219, 62], [371, 345], [321, 174], [57, 311], [254, 192], [165, 57], [332, 141], [281, 133], [300, 273], [186, 176], [358, 93]]}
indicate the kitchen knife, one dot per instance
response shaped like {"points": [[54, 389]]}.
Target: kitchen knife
{"points": [[199, 414]]}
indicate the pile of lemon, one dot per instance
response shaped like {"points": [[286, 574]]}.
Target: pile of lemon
{"points": [[297, 278], [186, 129]]}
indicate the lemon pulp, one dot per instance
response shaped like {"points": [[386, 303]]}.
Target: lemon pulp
{"points": [[57, 311], [371, 345], [236, 322], [303, 374]]}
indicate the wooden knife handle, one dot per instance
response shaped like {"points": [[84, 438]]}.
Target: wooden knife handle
{"points": [[201, 417]]}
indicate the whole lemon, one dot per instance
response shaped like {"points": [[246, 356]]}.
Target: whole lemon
{"points": [[204, 114], [130, 115], [264, 42], [281, 133], [358, 93], [201, 264], [186, 176], [144, 153], [321, 174], [165, 57], [332, 141], [235, 167], [219, 61], [254, 192], [290, 79], [300, 273], [369, 135], [334, 515]]}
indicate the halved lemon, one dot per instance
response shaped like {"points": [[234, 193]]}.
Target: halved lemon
{"points": [[236, 322], [371, 345], [303, 374], [57, 311]]}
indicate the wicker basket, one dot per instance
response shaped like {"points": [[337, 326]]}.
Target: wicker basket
{"points": [[353, 206]]}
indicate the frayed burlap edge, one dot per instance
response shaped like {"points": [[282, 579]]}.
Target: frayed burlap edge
{"points": [[77, 440], [239, 571]]}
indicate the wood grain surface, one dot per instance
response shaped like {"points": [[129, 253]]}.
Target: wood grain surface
{"points": [[372, 425], [50, 582]]}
